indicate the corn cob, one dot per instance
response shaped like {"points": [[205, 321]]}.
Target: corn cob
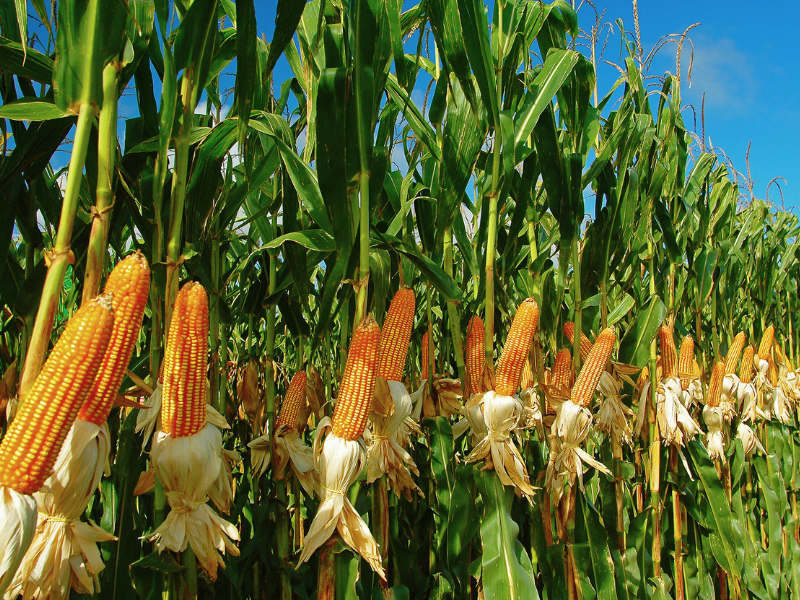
{"points": [[669, 357], [358, 382], [129, 282], [396, 335], [586, 345], [476, 355], [585, 386], [772, 371], [33, 441], [715, 385], [735, 351], [766, 343], [518, 342], [746, 369], [183, 409], [293, 402], [562, 376], [686, 360], [527, 376], [425, 368]]}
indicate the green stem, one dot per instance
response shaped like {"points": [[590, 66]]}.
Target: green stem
{"points": [[106, 153], [364, 144], [189, 562], [54, 281], [576, 299], [452, 311]]}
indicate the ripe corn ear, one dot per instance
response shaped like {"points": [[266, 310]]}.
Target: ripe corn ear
{"points": [[746, 368], [715, 385], [358, 382], [669, 357], [766, 342], [527, 375], [589, 377], [686, 360], [295, 399], [183, 408], [33, 441], [476, 355], [735, 351], [586, 345], [395, 335], [425, 363], [518, 342], [129, 282], [562, 376]]}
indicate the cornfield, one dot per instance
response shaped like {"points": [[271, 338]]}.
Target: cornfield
{"points": [[425, 317]]}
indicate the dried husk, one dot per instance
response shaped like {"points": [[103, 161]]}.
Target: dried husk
{"points": [[64, 550], [385, 453], [714, 418], [502, 414], [532, 418], [149, 417], [449, 394], [566, 464], [749, 440], [18, 516], [675, 424], [339, 462], [728, 398], [746, 394], [248, 393], [188, 467], [613, 418], [291, 451], [764, 389]]}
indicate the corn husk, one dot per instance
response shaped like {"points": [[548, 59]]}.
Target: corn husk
{"points": [[613, 418], [764, 389], [532, 418], [502, 414], [472, 420], [18, 519], [339, 462], [449, 395], [781, 408], [64, 552], [675, 424], [385, 453], [290, 450], [714, 418], [148, 418], [570, 429], [748, 403], [749, 440], [728, 398], [188, 467]]}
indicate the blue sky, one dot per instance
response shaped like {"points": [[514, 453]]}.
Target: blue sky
{"points": [[744, 60]]}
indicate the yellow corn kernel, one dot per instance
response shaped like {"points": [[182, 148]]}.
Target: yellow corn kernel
{"points": [[669, 358], [527, 375], [734, 352], [765, 347], [129, 282], [396, 335], [518, 342], [562, 375], [476, 355], [746, 368], [586, 345], [686, 360], [295, 400], [358, 382], [183, 408], [34, 439], [715, 385], [589, 377], [772, 371]]}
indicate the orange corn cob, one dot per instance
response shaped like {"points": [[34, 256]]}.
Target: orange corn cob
{"points": [[586, 345], [715, 385], [129, 282], [294, 401], [396, 335], [766, 343], [772, 371], [527, 375], [34, 439], [669, 357], [476, 354], [746, 369], [425, 367], [562, 376], [686, 360], [358, 382], [518, 342], [735, 351], [183, 408], [589, 377]]}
